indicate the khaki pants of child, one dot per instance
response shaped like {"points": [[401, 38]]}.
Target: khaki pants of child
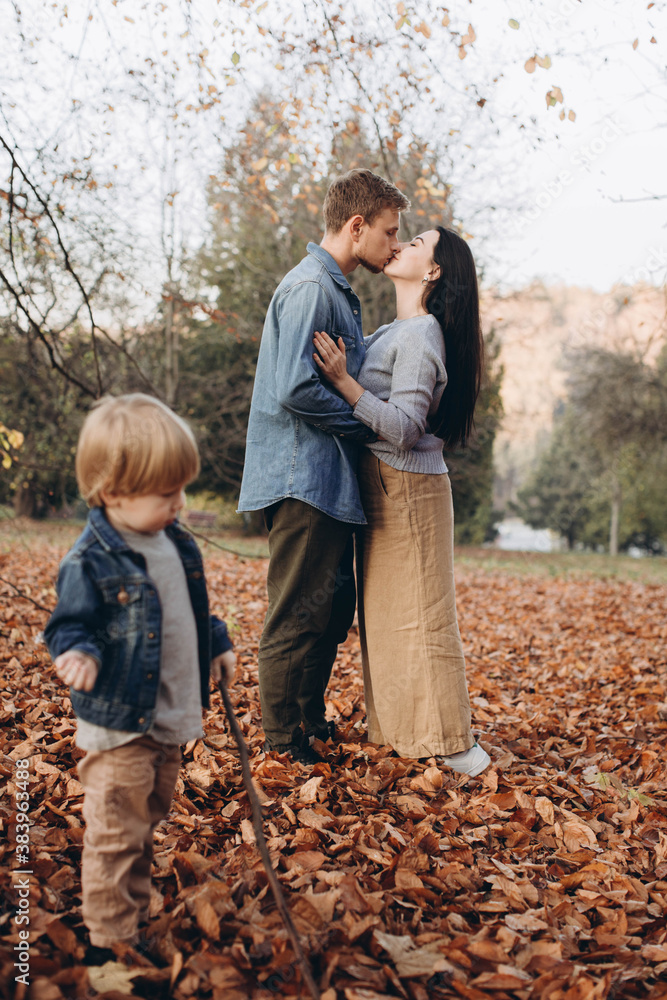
{"points": [[127, 792]]}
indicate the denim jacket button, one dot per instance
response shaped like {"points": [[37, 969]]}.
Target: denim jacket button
{"points": [[149, 677], [123, 597], [141, 721], [151, 635], [196, 575]]}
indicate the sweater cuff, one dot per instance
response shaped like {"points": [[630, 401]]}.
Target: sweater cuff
{"points": [[366, 408]]}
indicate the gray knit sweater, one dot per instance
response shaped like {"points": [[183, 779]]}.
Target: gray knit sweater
{"points": [[404, 376]]}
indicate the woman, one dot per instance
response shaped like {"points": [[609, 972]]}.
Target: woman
{"points": [[414, 668]]}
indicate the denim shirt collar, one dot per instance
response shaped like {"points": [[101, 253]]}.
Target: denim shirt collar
{"points": [[332, 267], [112, 540]]}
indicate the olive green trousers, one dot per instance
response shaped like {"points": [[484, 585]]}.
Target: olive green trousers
{"points": [[312, 598]]}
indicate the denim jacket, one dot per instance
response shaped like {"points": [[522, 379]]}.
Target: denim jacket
{"points": [[108, 607], [302, 436]]}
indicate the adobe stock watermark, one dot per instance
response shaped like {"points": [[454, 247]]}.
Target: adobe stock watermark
{"points": [[582, 157], [554, 13], [21, 874], [594, 320], [299, 614], [275, 982]]}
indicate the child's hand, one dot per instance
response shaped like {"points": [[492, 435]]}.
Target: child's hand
{"points": [[224, 666], [77, 669]]}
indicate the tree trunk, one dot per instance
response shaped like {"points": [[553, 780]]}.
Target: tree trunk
{"points": [[171, 348], [615, 514], [25, 502]]}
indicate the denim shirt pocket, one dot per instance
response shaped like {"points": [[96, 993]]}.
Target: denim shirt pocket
{"points": [[349, 339]]}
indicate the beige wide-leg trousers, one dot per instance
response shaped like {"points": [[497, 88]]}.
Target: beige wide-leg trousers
{"points": [[414, 668]]}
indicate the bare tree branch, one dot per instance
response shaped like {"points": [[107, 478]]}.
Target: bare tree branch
{"points": [[355, 76], [66, 257], [262, 847], [630, 201], [37, 329]]}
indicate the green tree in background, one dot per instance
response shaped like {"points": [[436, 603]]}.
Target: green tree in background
{"points": [[560, 493], [644, 510], [602, 480], [48, 410], [619, 402]]}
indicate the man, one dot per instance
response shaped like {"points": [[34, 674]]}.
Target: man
{"points": [[301, 457]]}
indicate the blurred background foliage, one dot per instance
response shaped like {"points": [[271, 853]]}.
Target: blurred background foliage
{"points": [[123, 268], [200, 352]]}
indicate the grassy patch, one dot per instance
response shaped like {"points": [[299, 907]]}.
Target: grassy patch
{"points": [[18, 532], [22, 532], [231, 538], [564, 565]]}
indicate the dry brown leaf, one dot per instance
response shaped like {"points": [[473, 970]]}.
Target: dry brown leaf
{"points": [[529, 922], [308, 791], [577, 834], [248, 835], [315, 820], [112, 976], [544, 808]]}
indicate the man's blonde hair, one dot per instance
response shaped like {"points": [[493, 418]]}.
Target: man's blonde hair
{"points": [[132, 445], [360, 192]]}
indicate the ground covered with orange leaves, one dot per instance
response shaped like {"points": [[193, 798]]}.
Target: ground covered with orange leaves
{"points": [[544, 878]]}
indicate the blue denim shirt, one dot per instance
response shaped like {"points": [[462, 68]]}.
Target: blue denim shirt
{"points": [[302, 437], [109, 607]]}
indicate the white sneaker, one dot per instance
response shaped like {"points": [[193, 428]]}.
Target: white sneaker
{"points": [[472, 762]]}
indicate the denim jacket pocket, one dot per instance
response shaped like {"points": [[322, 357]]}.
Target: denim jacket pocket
{"points": [[120, 633], [123, 605]]}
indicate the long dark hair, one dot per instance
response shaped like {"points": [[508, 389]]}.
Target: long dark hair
{"points": [[454, 301]]}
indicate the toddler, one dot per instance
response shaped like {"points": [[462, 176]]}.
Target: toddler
{"points": [[132, 636]]}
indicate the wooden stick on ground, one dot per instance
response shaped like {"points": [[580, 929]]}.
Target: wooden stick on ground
{"points": [[261, 844]]}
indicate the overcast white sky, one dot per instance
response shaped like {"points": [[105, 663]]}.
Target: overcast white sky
{"points": [[540, 203], [568, 224]]}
